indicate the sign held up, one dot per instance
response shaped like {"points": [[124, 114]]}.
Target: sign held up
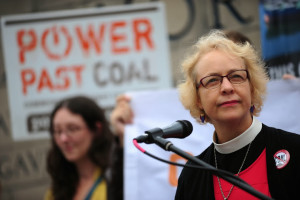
{"points": [[98, 52]]}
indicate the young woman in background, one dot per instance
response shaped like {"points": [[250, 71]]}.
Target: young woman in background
{"points": [[84, 161]]}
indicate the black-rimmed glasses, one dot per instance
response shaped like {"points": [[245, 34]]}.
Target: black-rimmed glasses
{"points": [[214, 81]]}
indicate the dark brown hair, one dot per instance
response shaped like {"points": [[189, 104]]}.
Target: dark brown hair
{"points": [[237, 37], [63, 173]]}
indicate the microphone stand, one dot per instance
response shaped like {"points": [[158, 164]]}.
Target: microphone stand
{"points": [[168, 146]]}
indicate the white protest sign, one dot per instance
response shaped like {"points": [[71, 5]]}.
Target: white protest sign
{"points": [[146, 178], [98, 52]]}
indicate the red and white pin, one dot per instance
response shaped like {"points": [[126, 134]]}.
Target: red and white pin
{"points": [[282, 158]]}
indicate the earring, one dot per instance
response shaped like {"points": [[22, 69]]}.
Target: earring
{"points": [[202, 118], [252, 108]]}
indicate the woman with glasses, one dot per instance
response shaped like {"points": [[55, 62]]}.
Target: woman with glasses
{"points": [[122, 114], [225, 85], [82, 152]]}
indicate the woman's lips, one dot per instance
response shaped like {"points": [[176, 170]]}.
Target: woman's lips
{"points": [[229, 103], [67, 149]]}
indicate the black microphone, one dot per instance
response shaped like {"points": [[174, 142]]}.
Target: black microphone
{"points": [[179, 129]]}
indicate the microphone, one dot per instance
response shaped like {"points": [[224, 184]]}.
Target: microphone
{"points": [[179, 129]]}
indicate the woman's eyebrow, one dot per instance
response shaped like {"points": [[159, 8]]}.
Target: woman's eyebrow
{"points": [[219, 74]]}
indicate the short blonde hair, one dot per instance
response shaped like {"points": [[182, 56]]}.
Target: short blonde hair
{"points": [[217, 40]]}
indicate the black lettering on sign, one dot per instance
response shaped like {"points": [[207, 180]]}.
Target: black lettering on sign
{"points": [[147, 69], [38, 122], [99, 75], [118, 73], [276, 72], [284, 64]]}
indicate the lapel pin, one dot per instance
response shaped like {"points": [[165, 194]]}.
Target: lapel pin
{"points": [[282, 158]]}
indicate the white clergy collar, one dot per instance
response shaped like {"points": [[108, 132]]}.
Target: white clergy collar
{"points": [[241, 141]]}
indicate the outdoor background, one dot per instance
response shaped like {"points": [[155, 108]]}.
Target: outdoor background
{"points": [[22, 164]]}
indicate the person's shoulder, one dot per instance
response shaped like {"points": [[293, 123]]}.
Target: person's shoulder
{"points": [[282, 135], [204, 156], [279, 131]]}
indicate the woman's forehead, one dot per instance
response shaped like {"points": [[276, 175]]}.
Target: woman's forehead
{"points": [[64, 115], [217, 62]]}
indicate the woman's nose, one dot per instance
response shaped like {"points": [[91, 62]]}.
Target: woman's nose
{"points": [[226, 85], [63, 136]]}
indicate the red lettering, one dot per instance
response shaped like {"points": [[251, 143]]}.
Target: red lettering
{"points": [[44, 81], [56, 42], [78, 71], [142, 31], [118, 37], [28, 78], [22, 35], [61, 80], [61, 72], [87, 41], [55, 53]]}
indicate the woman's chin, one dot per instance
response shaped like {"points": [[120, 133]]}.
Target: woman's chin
{"points": [[71, 157], [231, 118]]}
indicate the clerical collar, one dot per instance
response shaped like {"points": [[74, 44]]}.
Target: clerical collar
{"points": [[240, 141]]}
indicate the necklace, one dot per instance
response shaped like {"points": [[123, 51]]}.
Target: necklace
{"points": [[225, 198]]}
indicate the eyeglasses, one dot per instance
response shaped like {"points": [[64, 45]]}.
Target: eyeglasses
{"points": [[69, 130], [214, 81]]}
